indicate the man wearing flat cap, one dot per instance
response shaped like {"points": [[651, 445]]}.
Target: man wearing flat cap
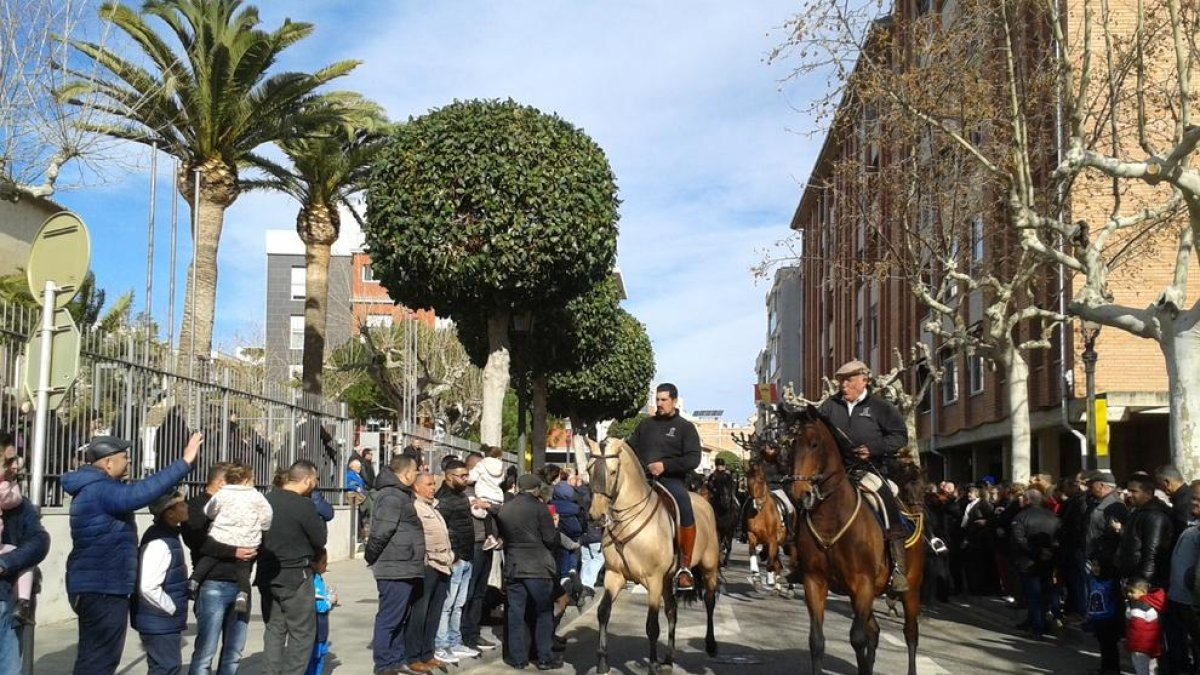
{"points": [[530, 539], [103, 563], [872, 435]]}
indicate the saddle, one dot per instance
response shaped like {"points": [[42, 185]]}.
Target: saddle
{"points": [[672, 507], [868, 485]]}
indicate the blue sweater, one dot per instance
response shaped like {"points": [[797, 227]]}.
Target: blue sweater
{"points": [[104, 551]]}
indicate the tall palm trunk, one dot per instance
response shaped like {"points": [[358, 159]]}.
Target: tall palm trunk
{"points": [[218, 190], [318, 226]]}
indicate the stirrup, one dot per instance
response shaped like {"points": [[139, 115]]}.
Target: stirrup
{"points": [[939, 547], [680, 572]]}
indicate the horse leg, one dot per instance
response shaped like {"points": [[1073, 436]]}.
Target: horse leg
{"points": [[710, 604], [864, 632], [912, 612], [654, 597], [772, 564], [671, 607], [815, 594], [614, 583]]}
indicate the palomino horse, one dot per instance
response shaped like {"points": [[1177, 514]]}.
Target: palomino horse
{"points": [[766, 529], [639, 532], [840, 545], [722, 496]]}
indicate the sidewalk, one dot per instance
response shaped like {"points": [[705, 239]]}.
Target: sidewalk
{"points": [[350, 631]]}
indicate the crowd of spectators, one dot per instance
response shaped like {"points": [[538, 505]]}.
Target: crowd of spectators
{"points": [[1116, 560]]}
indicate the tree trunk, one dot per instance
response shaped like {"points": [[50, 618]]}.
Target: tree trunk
{"points": [[1017, 381], [910, 423], [495, 380], [579, 444], [1181, 350], [218, 189], [318, 226], [539, 421]]}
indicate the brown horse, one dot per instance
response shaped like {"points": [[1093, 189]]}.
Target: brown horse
{"points": [[639, 535], [766, 529], [840, 545]]}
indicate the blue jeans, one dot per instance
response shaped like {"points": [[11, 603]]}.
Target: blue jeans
{"points": [[10, 643], [395, 600], [593, 563], [449, 632], [472, 616], [103, 620], [1037, 600], [680, 492], [164, 653], [217, 624], [530, 597]]}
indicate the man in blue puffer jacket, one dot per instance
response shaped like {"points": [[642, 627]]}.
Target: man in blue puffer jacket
{"points": [[102, 565]]}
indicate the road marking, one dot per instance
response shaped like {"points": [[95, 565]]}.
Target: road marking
{"points": [[725, 623]]}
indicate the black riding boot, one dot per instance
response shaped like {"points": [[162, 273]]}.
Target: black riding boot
{"points": [[896, 540]]}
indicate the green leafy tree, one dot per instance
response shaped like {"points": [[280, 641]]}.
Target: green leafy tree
{"points": [[614, 387], [622, 429], [209, 101], [326, 168], [491, 208], [732, 461]]}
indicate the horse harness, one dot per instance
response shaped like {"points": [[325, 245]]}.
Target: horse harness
{"points": [[814, 498], [616, 519]]}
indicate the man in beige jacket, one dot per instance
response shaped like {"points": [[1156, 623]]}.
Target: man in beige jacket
{"points": [[427, 610]]}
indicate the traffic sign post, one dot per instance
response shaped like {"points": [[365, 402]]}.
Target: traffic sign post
{"points": [[58, 264]]}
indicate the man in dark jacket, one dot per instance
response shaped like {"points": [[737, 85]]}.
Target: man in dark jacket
{"points": [[669, 447], [218, 625], [872, 435], [530, 539], [481, 567], [1034, 545], [1105, 518], [1146, 541], [102, 564], [456, 511], [1071, 550], [1170, 480], [23, 530], [285, 576], [396, 554]]}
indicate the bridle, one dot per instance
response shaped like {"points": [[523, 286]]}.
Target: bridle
{"points": [[821, 486], [619, 520]]}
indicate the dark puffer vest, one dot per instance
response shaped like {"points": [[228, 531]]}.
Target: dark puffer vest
{"points": [[150, 620]]}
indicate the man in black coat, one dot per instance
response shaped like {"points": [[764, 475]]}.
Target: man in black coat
{"points": [[1170, 480], [872, 435], [530, 539], [396, 553], [1071, 549], [1105, 519], [455, 508], [1034, 545], [1147, 537]]}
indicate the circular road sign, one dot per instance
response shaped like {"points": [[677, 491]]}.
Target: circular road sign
{"points": [[61, 252]]}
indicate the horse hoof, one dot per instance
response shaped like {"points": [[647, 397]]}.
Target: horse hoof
{"points": [[710, 648]]}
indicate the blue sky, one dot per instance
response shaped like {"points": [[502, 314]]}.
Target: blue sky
{"points": [[703, 142]]}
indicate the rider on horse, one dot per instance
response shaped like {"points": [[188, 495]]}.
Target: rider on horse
{"points": [[720, 480], [668, 446], [872, 434], [774, 472]]}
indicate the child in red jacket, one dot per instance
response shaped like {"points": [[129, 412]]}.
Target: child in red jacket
{"points": [[1143, 631]]}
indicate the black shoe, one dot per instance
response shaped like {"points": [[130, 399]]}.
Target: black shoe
{"points": [[553, 664], [23, 613], [516, 666], [482, 645], [241, 604]]}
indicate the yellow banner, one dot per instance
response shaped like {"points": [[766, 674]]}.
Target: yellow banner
{"points": [[1101, 427]]}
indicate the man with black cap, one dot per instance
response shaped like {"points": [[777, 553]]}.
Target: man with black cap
{"points": [[669, 447], [103, 563], [529, 542], [1105, 519], [159, 610], [872, 435]]}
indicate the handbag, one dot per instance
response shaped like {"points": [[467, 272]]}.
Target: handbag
{"points": [[1101, 601]]}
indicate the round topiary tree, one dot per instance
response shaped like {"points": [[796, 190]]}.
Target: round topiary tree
{"points": [[614, 387], [494, 209]]}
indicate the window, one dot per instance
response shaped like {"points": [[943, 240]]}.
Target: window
{"points": [[298, 283], [858, 340], [975, 373], [976, 242], [379, 321], [296, 340], [873, 327], [949, 379], [295, 372], [927, 397], [923, 7], [368, 275]]}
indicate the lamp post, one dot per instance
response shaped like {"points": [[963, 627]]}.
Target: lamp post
{"points": [[1091, 331]]}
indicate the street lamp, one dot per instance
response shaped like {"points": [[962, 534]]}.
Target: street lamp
{"points": [[521, 325], [1090, 331]]}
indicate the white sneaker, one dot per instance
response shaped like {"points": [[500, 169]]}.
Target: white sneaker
{"points": [[445, 656], [463, 651]]}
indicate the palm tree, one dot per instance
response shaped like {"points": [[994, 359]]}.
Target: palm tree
{"points": [[327, 167], [209, 103]]}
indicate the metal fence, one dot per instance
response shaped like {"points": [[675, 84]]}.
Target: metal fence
{"points": [[138, 389]]}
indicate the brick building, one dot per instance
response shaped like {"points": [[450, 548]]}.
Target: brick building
{"points": [[963, 425]]}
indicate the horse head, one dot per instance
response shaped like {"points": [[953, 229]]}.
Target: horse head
{"points": [[813, 451], [610, 466]]}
